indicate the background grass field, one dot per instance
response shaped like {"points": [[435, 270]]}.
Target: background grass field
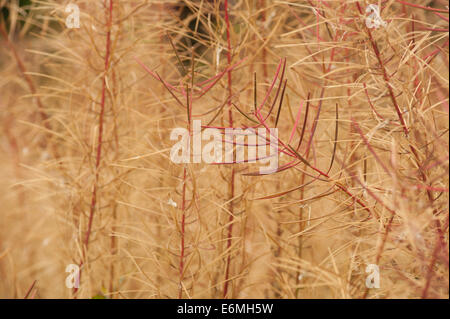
{"points": [[86, 175]]}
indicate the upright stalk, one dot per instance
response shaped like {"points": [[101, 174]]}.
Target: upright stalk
{"points": [[232, 190], [100, 127], [100, 138], [183, 225], [183, 200], [385, 77]]}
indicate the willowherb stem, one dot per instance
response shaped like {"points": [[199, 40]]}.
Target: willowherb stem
{"points": [[386, 77], [232, 190], [182, 244], [100, 136], [100, 127], [183, 199], [28, 293]]}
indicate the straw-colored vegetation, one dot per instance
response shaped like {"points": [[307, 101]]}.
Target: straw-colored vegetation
{"points": [[86, 177]]}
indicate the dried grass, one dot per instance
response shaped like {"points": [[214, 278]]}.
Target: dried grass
{"points": [[86, 177]]}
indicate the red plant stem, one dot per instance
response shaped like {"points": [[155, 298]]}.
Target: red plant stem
{"points": [[440, 236], [433, 54], [314, 127], [385, 76], [183, 225], [183, 203], [413, 150], [30, 290], [422, 7], [441, 16], [340, 186], [100, 128], [230, 121], [100, 138], [436, 189], [229, 236], [205, 86]]}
